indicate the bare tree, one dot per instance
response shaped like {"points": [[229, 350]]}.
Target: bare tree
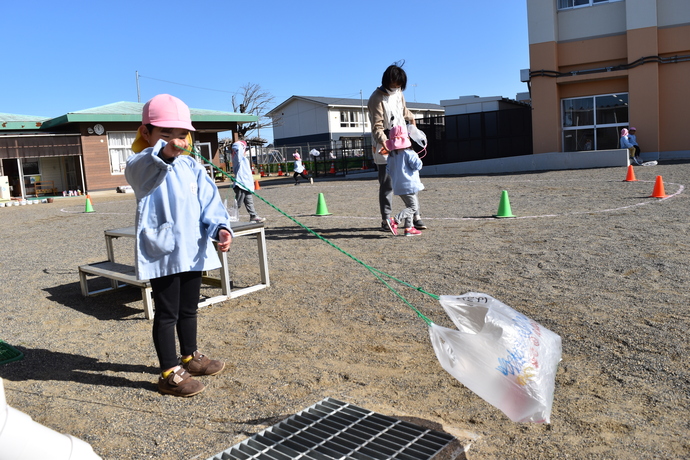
{"points": [[253, 100]]}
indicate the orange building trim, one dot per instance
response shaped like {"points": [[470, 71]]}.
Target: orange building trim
{"points": [[640, 48]]}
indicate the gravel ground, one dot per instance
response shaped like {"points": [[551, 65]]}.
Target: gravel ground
{"points": [[589, 256]]}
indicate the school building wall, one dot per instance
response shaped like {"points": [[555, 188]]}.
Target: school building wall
{"points": [[97, 160], [96, 157], [604, 36], [301, 118]]}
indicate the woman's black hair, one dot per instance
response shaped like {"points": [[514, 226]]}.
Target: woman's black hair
{"points": [[394, 74]]}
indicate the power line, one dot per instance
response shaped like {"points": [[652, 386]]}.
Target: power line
{"points": [[189, 86]]}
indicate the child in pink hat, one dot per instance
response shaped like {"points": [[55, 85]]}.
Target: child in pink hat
{"points": [[300, 170], [403, 167], [244, 185], [179, 213]]}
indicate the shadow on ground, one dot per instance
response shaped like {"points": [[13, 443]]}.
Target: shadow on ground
{"points": [[47, 365], [112, 305]]}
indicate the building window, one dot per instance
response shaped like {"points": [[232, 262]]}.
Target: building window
{"points": [[594, 122], [119, 149], [351, 119], [567, 4], [30, 167]]}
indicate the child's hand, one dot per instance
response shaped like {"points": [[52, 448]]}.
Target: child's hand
{"points": [[224, 240], [171, 149]]}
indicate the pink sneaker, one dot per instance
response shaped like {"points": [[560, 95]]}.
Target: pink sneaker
{"points": [[393, 226], [412, 232]]}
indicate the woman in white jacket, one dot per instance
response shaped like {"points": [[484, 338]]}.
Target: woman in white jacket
{"points": [[387, 108]]}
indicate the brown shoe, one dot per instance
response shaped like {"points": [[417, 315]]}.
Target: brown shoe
{"points": [[203, 365], [180, 383]]}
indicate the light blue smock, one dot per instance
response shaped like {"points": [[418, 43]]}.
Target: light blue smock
{"points": [[403, 167], [179, 210], [243, 171]]}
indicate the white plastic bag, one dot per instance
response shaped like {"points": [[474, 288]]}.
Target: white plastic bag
{"points": [[504, 357], [233, 210], [417, 135]]}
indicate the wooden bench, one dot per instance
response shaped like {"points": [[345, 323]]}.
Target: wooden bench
{"points": [[45, 187], [121, 275]]}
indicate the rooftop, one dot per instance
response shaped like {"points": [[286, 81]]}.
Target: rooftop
{"points": [[351, 102], [116, 112]]}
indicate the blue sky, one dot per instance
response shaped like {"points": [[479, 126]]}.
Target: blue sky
{"points": [[66, 56]]}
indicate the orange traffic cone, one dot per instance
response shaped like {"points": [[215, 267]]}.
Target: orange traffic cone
{"points": [[364, 164], [261, 171], [631, 175], [658, 189], [332, 171], [256, 185], [280, 170]]}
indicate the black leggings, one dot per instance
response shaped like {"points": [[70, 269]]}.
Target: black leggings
{"points": [[176, 298], [303, 174]]}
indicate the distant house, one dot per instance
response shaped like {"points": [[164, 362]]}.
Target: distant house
{"points": [[87, 149], [328, 121], [476, 104]]}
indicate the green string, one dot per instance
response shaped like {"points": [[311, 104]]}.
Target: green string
{"points": [[377, 273]]}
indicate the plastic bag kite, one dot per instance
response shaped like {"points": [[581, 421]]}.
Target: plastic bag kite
{"points": [[500, 354], [504, 357]]}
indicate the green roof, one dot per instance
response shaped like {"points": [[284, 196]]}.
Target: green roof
{"points": [[131, 111], [11, 121]]}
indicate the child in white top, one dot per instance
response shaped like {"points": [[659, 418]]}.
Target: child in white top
{"points": [[300, 170]]}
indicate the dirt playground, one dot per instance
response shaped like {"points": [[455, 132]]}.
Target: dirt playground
{"points": [[589, 256]]}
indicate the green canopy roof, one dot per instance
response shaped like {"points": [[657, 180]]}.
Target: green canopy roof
{"points": [[14, 122], [131, 111]]}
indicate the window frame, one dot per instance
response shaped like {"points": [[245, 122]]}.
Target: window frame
{"points": [[594, 127], [350, 118], [120, 168], [584, 5]]}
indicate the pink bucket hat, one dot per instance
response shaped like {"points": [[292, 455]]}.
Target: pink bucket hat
{"points": [[166, 111], [296, 156], [398, 139], [239, 147]]}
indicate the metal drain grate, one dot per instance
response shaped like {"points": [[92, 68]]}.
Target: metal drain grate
{"points": [[332, 429]]}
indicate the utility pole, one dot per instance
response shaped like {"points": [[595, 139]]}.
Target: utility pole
{"points": [[138, 93], [361, 98]]}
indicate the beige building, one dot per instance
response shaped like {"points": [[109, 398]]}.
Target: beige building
{"points": [[597, 66]]}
